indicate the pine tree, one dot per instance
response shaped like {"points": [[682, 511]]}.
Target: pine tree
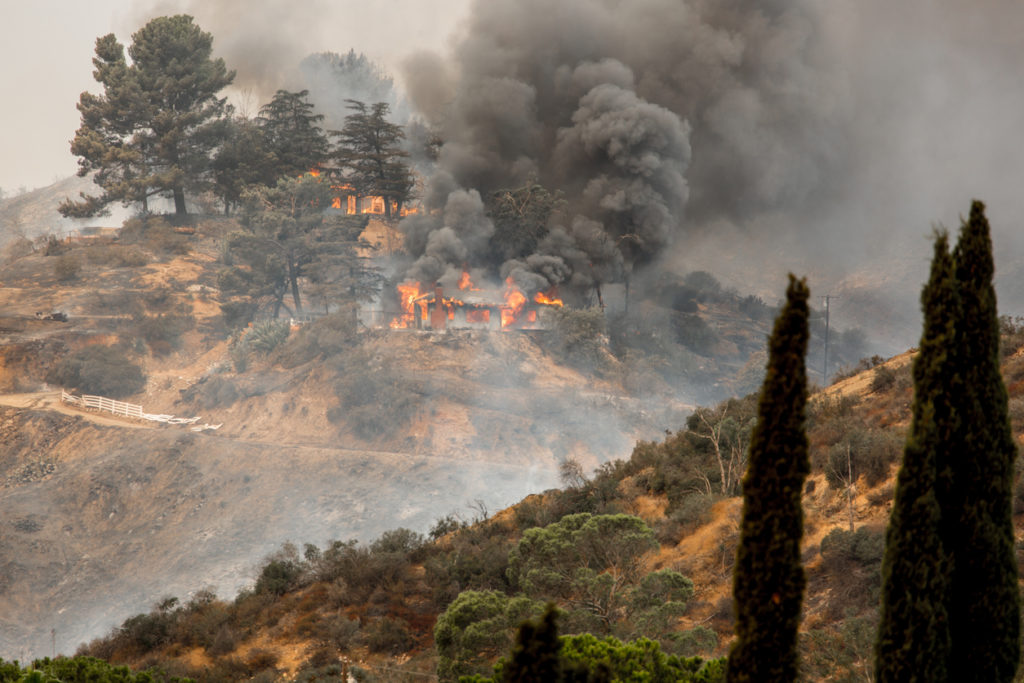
{"points": [[984, 607], [154, 127], [369, 155], [769, 580], [293, 133], [913, 639]]}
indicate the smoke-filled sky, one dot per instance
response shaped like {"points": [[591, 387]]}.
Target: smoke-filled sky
{"points": [[684, 129]]}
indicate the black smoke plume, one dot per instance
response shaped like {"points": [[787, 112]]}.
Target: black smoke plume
{"points": [[643, 114]]}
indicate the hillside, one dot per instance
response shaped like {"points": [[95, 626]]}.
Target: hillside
{"points": [[323, 613], [389, 429]]}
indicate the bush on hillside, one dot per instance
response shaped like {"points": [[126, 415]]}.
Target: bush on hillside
{"points": [[102, 370], [267, 335], [237, 314], [67, 267], [154, 232], [578, 336], [375, 400], [871, 455], [163, 332], [322, 338]]}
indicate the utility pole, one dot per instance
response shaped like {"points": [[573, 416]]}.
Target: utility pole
{"points": [[824, 372]]}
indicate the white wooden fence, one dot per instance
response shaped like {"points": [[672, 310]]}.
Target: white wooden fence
{"points": [[128, 410]]}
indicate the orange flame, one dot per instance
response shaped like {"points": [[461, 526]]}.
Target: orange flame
{"points": [[514, 302], [407, 294], [465, 282], [549, 299]]}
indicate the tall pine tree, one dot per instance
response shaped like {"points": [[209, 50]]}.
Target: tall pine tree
{"points": [[913, 639], [153, 129], [769, 580], [984, 606], [370, 156]]}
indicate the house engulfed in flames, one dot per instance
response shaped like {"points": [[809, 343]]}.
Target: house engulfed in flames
{"points": [[470, 308], [352, 204]]}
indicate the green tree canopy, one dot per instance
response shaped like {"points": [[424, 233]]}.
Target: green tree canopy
{"points": [[541, 656], [369, 156], [152, 131], [293, 133], [589, 562], [291, 238], [475, 627], [243, 159]]}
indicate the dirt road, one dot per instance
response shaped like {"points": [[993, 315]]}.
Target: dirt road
{"points": [[50, 400]]}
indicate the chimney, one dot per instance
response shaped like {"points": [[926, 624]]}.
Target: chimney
{"points": [[438, 314]]}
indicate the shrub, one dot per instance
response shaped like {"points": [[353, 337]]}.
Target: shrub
{"points": [[103, 370], [67, 267], [449, 524], [693, 333], [401, 540], [237, 314], [871, 453], [267, 335], [278, 576], [863, 546], [212, 392], [706, 285], [699, 640], [155, 233], [883, 378], [389, 635], [51, 246], [375, 400], [578, 336], [322, 338], [163, 332], [117, 256], [224, 641]]}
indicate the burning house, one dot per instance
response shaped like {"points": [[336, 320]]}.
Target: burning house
{"points": [[470, 307]]}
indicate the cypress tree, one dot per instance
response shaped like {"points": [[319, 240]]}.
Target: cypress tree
{"points": [[913, 638], [535, 656], [984, 605], [768, 581]]}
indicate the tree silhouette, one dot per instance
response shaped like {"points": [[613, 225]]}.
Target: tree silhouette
{"points": [[769, 580]]}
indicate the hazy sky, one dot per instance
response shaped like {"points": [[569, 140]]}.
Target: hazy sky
{"points": [[46, 48]]}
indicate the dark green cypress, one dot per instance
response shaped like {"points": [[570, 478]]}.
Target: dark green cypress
{"points": [[984, 607], [535, 656], [913, 637], [768, 581]]}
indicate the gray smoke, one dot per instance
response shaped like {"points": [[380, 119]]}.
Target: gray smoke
{"points": [[451, 240], [641, 113]]}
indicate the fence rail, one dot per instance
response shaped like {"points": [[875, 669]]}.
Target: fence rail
{"points": [[126, 409]]}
